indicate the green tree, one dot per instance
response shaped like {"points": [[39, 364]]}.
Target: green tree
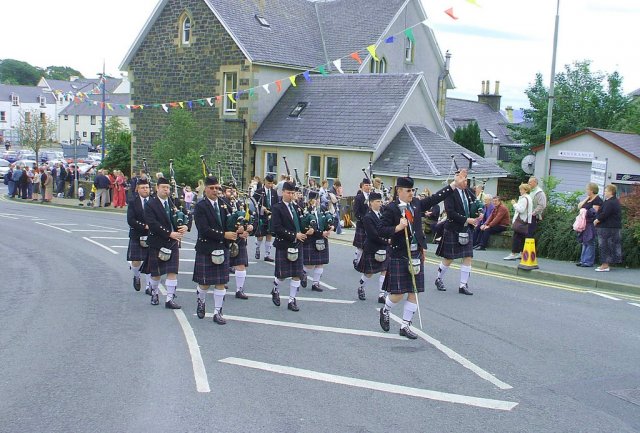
{"points": [[35, 129], [469, 137], [17, 72], [61, 72], [113, 127], [119, 155], [629, 121]]}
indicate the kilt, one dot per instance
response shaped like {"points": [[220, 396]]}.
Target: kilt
{"points": [[369, 265], [157, 267], [398, 279], [450, 248], [208, 274], [263, 228], [360, 236], [135, 252], [243, 256], [286, 268], [311, 256]]}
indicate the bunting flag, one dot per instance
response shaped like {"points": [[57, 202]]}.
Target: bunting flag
{"points": [[251, 92], [355, 56], [230, 96], [202, 102], [109, 107], [239, 94], [322, 70], [210, 101], [409, 34], [190, 104], [173, 104], [181, 104], [292, 78], [279, 85], [390, 40], [450, 13], [338, 64], [307, 76], [266, 88], [219, 99], [372, 51], [165, 108], [473, 2]]}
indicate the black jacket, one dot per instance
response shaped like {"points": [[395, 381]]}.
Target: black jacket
{"points": [[392, 214], [610, 214], [360, 207], [260, 196], [210, 232], [377, 234], [160, 227], [282, 225], [456, 217], [135, 219]]}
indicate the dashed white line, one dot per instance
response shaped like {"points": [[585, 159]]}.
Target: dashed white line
{"points": [[108, 228], [377, 386], [100, 245], [93, 231], [109, 237], [53, 227], [604, 295], [634, 304]]}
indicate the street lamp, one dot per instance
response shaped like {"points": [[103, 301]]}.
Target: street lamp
{"points": [[103, 83], [547, 138]]}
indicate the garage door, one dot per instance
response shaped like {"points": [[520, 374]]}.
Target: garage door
{"points": [[573, 175]]}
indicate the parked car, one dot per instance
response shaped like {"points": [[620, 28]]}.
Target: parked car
{"points": [[26, 162], [4, 167], [10, 155], [48, 155], [26, 154]]}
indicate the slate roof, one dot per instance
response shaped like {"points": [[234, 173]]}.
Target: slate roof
{"points": [[87, 109], [430, 156], [27, 94], [626, 141], [635, 93], [350, 110], [461, 112]]}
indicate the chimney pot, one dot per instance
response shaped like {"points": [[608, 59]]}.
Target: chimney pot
{"points": [[497, 92], [482, 89], [486, 92]]}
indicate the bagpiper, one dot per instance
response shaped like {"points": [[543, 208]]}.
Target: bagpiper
{"points": [[239, 221], [405, 274], [315, 249], [138, 231], [266, 197], [360, 209]]}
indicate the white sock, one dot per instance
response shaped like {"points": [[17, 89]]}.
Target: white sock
{"points": [[240, 277], [442, 269], [267, 248], [171, 288], [363, 280], [307, 270], [389, 304], [218, 299], [276, 283], [357, 255], [381, 283], [136, 270], [154, 286], [147, 278], [317, 273], [407, 314], [293, 289], [202, 293], [465, 271], [259, 244]]}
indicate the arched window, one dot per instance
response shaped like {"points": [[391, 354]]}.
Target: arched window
{"points": [[408, 51], [186, 30], [378, 66]]}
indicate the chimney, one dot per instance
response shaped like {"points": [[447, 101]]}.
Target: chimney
{"points": [[442, 86], [492, 101], [509, 110], [482, 88]]}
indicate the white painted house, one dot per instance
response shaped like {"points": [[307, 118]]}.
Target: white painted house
{"points": [[16, 102]]}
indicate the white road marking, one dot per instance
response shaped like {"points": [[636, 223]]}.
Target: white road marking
{"points": [[377, 386], [119, 246], [93, 231], [188, 260], [604, 296], [634, 304], [54, 227], [108, 228], [63, 224], [456, 356], [346, 331], [262, 295], [266, 277], [199, 372], [100, 245], [9, 217], [109, 237], [188, 243]]}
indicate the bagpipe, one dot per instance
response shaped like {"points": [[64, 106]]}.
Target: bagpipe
{"points": [[179, 215], [145, 168]]}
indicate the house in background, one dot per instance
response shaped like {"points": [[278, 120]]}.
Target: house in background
{"points": [[18, 103]]}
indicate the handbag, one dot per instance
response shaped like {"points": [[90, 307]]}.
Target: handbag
{"points": [[520, 226]]}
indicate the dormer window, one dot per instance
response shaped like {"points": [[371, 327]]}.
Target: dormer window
{"points": [[43, 101], [263, 21], [185, 30], [15, 100], [298, 109], [408, 51]]}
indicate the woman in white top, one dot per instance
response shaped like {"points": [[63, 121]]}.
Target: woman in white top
{"points": [[523, 209]]}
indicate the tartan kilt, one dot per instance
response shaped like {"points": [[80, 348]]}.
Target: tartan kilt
{"points": [[286, 268], [360, 236], [157, 267], [208, 274], [264, 227], [135, 252], [369, 265], [398, 279], [243, 256], [450, 248], [311, 256]]}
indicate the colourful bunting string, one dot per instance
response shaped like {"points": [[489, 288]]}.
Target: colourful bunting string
{"points": [[322, 70], [307, 76], [165, 108], [210, 101], [450, 13], [181, 104], [230, 96], [355, 56], [266, 88], [372, 51], [338, 64], [279, 85], [473, 2], [389, 40], [292, 78], [409, 34], [251, 92]]}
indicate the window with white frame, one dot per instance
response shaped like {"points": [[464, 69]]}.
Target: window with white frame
{"points": [[43, 101], [271, 164], [331, 169], [93, 120], [66, 117], [230, 86], [408, 51], [84, 134], [3, 116], [77, 119], [186, 30], [314, 164], [15, 100]]}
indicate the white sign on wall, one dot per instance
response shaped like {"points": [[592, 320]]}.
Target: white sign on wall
{"points": [[576, 154], [599, 173]]}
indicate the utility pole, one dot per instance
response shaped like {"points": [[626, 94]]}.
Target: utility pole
{"points": [[104, 85], [547, 138]]}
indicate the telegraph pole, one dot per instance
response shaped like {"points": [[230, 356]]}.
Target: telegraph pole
{"points": [[547, 138], [103, 79]]}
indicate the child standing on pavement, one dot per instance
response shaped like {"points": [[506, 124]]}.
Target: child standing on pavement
{"points": [[81, 196]]}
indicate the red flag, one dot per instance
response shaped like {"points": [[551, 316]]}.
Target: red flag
{"points": [[450, 13], [279, 85], [355, 56]]}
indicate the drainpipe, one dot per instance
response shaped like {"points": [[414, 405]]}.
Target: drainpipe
{"points": [[442, 87]]}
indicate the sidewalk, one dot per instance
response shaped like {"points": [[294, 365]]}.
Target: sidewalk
{"points": [[66, 202], [617, 280]]}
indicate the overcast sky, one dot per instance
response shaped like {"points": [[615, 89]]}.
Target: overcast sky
{"points": [[500, 40]]}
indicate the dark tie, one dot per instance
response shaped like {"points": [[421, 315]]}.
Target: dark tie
{"points": [[464, 203], [217, 209], [294, 215], [144, 203], [268, 199]]}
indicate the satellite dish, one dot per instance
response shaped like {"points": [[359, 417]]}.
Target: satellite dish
{"points": [[528, 164]]}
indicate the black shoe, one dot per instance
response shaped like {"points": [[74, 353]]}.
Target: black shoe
{"points": [[269, 259], [384, 319], [407, 332], [275, 297], [232, 270], [200, 310], [579, 265], [257, 256], [361, 294], [316, 287], [477, 247], [172, 305], [293, 306], [303, 280], [154, 299], [217, 318], [440, 285], [241, 295], [136, 284], [382, 299], [464, 290]]}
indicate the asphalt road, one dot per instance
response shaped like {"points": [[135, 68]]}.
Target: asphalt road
{"points": [[82, 351]]}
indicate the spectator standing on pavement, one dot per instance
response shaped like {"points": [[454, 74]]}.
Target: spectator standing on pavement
{"points": [[81, 196], [112, 185], [280, 184], [17, 174], [119, 196], [101, 183], [71, 178], [62, 177], [35, 182], [522, 210], [188, 198], [24, 183], [200, 190], [8, 180], [587, 237], [497, 222], [30, 175], [47, 186], [609, 223], [485, 213], [539, 204], [335, 195]]}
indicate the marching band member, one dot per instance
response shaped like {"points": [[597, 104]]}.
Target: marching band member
{"points": [[360, 208], [315, 249], [239, 256], [137, 253], [164, 243], [266, 197], [404, 216], [212, 252]]}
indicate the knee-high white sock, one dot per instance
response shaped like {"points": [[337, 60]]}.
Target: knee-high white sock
{"points": [[218, 299], [202, 293], [389, 304], [407, 314], [308, 270], [364, 280], [317, 273], [465, 271], [259, 244], [136, 270], [154, 286], [381, 283], [442, 269], [240, 277], [267, 248], [293, 289], [276, 283], [147, 278], [171, 288]]}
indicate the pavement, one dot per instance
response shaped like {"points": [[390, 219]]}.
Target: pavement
{"points": [[619, 279]]}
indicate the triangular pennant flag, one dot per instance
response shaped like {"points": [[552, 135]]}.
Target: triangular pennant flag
{"points": [[230, 96], [173, 104], [372, 51], [156, 105], [450, 13], [409, 34], [251, 92], [102, 105], [322, 70], [473, 2], [181, 104], [165, 108], [307, 76], [266, 88], [109, 106], [141, 107], [389, 40], [279, 85], [355, 56], [128, 106], [202, 102], [121, 106], [219, 99], [292, 78], [190, 104], [338, 64], [210, 101]]}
